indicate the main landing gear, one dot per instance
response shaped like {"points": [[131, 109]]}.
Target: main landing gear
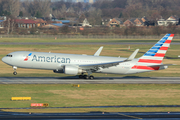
{"points": [[86, 77], [89, 76], [14, 68]]}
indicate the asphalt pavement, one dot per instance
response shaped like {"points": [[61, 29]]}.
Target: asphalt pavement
{"points": [[92, 115], [97, 80]]}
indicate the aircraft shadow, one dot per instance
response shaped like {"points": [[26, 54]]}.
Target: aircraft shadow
{"points": [[77, 78]]}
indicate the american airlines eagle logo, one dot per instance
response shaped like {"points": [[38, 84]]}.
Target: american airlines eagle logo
{"points": [[26, 59]]}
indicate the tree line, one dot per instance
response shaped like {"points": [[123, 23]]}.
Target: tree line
{"points": [[125, 9]]}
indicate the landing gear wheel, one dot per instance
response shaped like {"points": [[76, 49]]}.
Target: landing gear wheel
{"points": [[15, 73], [91, 77], [14, 68], [81, 76], [85, 77]]}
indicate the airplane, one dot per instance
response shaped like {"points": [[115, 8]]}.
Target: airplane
{"points": [[85, 65]]}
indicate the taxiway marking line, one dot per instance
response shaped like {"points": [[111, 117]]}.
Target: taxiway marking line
{"points": [[129, 116]]}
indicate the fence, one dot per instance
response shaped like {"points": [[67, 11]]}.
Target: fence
{"points": [[85, 36]]}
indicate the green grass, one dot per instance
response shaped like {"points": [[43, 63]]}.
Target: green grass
{"points": [[34, 40], [64, 95]]}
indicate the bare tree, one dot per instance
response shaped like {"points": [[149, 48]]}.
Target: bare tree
{"points": [[94, 17], [37, 8], [9, 6], [13, 7], [44, 7]]}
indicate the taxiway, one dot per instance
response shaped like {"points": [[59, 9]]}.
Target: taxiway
{"points": [[97, 80]]}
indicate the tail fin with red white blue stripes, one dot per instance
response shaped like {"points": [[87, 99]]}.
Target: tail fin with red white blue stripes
{"points": [[156, 54]]}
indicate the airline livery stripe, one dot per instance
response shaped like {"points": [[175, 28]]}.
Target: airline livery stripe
{"points": [[159, 55], [161, 51], [168, 41], [145, 67], [165, 45], [163, 48], [172, 35], [170, 38], [152, 57], [149, 61]]}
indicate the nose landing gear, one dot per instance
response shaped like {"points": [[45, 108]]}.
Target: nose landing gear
{"points": [[14, 68]]}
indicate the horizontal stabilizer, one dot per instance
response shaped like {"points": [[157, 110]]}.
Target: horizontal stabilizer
{"points": [[98, 52], [133, 55], [161, 65]]}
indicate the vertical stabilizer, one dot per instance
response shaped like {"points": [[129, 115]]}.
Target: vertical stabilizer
{"points": [[156, 54]]}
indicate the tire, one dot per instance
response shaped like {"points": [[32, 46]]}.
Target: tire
{"points": [[80, 76], [91, 77], [85, 77], [14, 73]]}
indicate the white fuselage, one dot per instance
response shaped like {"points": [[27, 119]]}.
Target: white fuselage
{"points": [[56, 61]]}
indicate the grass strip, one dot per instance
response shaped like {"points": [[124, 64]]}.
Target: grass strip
{"points": [[64, 95]]}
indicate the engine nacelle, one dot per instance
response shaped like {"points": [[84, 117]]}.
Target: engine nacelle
{"points": [[72, 70]]}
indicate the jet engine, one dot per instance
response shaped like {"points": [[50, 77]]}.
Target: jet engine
{"points": [[72, 70]]}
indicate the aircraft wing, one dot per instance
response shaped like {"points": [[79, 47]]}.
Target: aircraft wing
{"points": [[108, 64], [102, 65]]}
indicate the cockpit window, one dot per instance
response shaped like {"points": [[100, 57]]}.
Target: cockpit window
{"points": [[9, 55]]}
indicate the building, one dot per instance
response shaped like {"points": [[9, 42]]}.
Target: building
{"points": [[115, 22], [25, 23], [86, 23], [40, 22], [53, 26], [1, 23], [162, 22], [129, 22], [171, 20], [105, 21], [135, 22]]}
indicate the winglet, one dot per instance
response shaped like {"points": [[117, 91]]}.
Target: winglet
{"points": [[133, 55], [98, 52]]}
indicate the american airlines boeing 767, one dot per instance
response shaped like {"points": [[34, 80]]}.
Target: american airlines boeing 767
{"points": [[85, 65]]}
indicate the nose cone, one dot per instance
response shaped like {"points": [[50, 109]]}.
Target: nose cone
{"points": [[5, 60]]}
